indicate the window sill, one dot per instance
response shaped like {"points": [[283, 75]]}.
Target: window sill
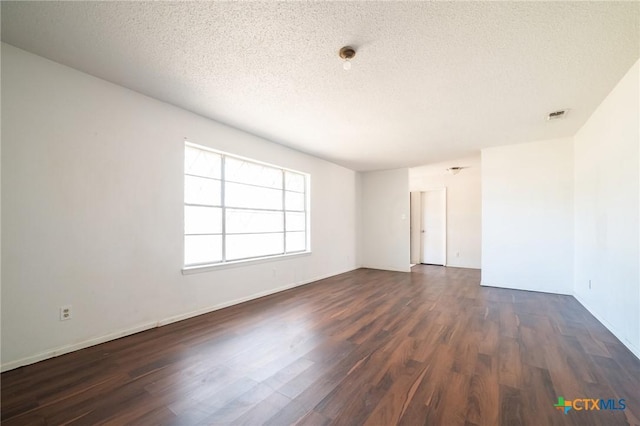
{"points": [[188, 270]]}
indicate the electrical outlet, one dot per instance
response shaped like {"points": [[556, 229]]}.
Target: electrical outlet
{"points": [[65, 313]]}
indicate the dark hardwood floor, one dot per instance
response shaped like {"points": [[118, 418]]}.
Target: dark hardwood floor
{"points": [[366, 347]]}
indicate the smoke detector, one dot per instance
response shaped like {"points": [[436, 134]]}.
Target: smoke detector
{"points": [[556, 115]]}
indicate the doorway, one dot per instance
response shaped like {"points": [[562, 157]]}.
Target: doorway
{"points": [[432, 220]]}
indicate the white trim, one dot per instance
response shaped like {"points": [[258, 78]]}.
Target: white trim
{"points": [[224, 156], [388, 268], [445, 230], [258, 295], [477, 268], [240, 157], [52, 353], [188, 270], [634, 350], [511, 287], [149, 325]]}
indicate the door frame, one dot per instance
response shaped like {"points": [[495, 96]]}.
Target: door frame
{"points": [[444, 216], [415, 225]]}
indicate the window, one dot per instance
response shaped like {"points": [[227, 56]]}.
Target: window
{"points": [[237, 209]]}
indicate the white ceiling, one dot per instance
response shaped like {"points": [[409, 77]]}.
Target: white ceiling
{"points": [[432, 81]]}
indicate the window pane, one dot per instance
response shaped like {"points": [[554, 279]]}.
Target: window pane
{"points": [[256, 199], [201, 191], [294, 201], [246, 221], [256, 174], [202, 249], [254, 245], [239, 195], [202, 163], [296, 221], [202, 220], [296, 242], [294, 181]]}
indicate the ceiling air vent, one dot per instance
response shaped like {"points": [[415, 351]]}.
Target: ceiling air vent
{"points": [[556, 115]]}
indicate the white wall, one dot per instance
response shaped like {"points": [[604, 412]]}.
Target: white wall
{"points": [[607, 211], [385, 220], [527, 216], [464, 206], [0, 218], [92, 212]]}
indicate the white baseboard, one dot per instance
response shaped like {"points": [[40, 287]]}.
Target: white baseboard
{"points": [[147, 326], [258, 295], [452, 265], [524, 288], [609, 326], [388, 268], [603, 321], [52, 353]]}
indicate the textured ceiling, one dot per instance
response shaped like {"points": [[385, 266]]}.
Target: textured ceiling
{"points": [[432, 81]]}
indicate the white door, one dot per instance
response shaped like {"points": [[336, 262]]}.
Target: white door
{"points": [[415, 237], [434, 226]]}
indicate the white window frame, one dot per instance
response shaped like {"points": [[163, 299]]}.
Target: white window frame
{"points": [[196, 267]]}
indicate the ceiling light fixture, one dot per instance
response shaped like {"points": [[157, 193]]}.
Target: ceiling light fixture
{"points": [[347, 53], [454, 170], [556, 115]]}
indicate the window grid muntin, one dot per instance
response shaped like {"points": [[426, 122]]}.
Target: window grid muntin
{"points": [[264, 188], [209, 262], [256, 163], [223, 198], [284, 212], [223, 206]]}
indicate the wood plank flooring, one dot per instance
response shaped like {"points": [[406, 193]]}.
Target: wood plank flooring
{"points": [[366, 347]]}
